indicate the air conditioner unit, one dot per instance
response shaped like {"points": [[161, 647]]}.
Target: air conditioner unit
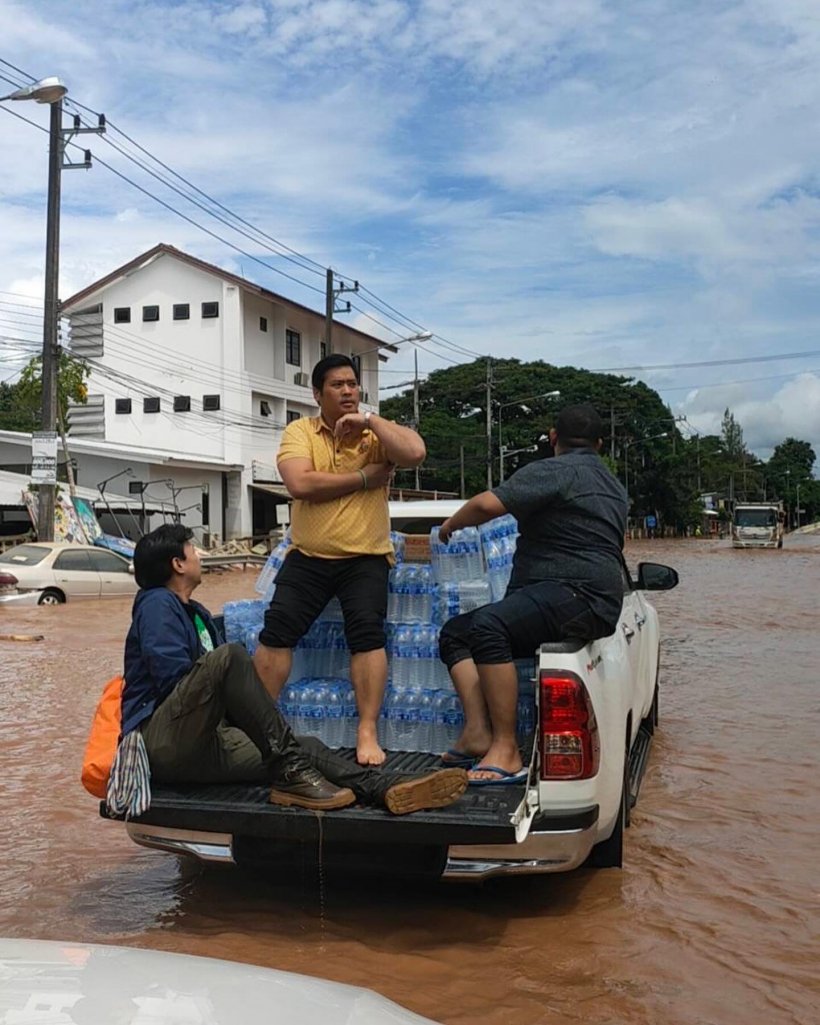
{"points": [[301, 379]]}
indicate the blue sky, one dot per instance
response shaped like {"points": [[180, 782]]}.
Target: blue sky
{"points": [[589, 182]]}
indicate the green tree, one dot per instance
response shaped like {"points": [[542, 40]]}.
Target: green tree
{"points": [[72, 375], [15, 415], [453, 421]]}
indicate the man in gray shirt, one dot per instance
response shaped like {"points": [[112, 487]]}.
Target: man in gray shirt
{"points": [[567, 581]]}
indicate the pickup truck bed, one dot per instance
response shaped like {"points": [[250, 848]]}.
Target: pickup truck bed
{"points": [[258, 833]]}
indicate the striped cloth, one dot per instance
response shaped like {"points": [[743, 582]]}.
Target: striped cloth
{"points": [[129, 782]]}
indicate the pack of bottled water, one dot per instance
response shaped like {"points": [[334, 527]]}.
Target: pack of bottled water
{"points": [[323, 707], [322, 652], [410, 593], [456, 597], [243, 621], [460, 559], [413, 658], [397, 540], [498, 543], [266, 581]]}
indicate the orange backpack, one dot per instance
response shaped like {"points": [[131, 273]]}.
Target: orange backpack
{"points": [[102, 740]]}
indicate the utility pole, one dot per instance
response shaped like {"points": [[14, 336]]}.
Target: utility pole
{"points": [[461, 461], [612, 431], [416, 403], [51, 312], [331, 295], [489, 424]]}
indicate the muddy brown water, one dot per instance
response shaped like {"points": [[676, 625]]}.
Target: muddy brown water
{"points": [[714, 918]]}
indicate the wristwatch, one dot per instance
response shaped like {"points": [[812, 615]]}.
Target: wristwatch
{"points": [[367, 415]]}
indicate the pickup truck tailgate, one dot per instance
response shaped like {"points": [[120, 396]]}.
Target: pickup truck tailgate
{"points": [[483, 815]]}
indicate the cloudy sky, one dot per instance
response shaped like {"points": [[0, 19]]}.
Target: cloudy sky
{"points": [[590, 182]]}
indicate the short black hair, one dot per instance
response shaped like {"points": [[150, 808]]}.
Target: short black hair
{"points": [[335, 359], [579, 426], [155, 551]]}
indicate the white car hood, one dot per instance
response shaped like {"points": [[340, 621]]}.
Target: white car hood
{"points": [[54, 983]]}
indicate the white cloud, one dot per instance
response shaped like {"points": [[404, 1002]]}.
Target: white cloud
{"points": [[582, 180]]}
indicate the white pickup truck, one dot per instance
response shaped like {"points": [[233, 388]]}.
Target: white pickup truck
{"points": [[596, 711]]}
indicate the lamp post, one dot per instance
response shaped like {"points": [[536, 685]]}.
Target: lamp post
{"points": [[502, 450], [797, 511], [788, 499], [51, 91], [627, 446]]}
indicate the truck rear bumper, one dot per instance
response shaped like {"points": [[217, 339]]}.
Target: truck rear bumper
{"points": [[555, 844]]}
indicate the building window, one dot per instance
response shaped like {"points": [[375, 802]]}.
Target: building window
{"points": [[322, 350], [264, 408], [210, 310], [263, 323], [182, 311], [182, 403], [122, 405], [293, 415], [210, 403], [150, 313], [122, 314], [293, 348], [150, 405]]}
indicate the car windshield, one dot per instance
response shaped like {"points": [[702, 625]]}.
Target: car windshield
{"points": [[24, 555], [755, 517]]}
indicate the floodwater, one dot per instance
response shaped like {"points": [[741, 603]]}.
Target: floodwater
{"points": [[714, 918]]}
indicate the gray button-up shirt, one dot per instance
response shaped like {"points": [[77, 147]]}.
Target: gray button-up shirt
{"points": [[571, 514]]}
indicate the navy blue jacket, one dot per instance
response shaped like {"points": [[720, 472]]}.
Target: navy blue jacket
{"points": [[161, 647]]}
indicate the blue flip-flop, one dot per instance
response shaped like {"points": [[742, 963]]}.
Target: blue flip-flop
{"points": [[455, 759], [504, 778]]}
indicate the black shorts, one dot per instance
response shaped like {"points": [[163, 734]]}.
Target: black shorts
{"points": [[513, 627], [305, 584]]}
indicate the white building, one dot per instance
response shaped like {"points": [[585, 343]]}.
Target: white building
{"points": [[194, 374]]}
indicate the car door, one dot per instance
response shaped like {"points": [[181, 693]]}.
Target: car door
{"points": [[115, 576], [75, 575]]}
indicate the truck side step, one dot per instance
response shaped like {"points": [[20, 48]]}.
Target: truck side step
{"points": [[638, 757]]}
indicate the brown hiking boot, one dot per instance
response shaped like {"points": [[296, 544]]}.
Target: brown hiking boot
{"points": [[435, 790], [303, 786]]}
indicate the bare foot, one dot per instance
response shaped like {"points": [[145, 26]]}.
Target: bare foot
{"points": [[368, 751]]}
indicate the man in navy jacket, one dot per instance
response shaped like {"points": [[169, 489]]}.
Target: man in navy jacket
{"points": [[204, 715]]}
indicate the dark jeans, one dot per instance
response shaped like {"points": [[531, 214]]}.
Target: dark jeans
{"points": [[189, 741], [513, 627], [304, 585]]}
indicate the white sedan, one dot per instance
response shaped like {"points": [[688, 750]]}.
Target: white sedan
{"points": [[62, 571], [45, 981]]}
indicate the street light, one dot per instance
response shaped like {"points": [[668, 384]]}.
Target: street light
{"points": [[51, 91], [627, 446], [502, 450]]}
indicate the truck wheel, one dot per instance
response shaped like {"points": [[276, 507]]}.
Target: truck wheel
{"points": [[609, 853]]}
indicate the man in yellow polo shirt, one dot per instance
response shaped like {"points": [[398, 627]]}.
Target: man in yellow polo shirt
{"points": [[338, 466]]}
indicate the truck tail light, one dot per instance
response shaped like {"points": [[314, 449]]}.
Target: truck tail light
{"points": [[570, 745]]}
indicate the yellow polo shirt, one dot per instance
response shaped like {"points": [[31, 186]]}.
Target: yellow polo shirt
{"points": [[355, 524]]}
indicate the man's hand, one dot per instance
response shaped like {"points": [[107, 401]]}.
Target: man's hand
{"points": [[444, 531], [350, 425], [379, 475]]}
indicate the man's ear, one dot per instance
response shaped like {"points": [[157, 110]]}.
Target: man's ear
{"points": [[553, 436], [598, 444], [317, 395]]}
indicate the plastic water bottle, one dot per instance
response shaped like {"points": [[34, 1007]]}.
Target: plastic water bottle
{"points": [[251, 640], [407, 719], [393, 582], [351, 714], [526, 716], [391, 710], [289, 704], [397, 540], [424, 735], [334, 716], [451, 719], [402, 655]]}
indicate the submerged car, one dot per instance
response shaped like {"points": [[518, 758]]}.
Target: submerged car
{"points": [[12, 594], [60, 571], [89, 984]]}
